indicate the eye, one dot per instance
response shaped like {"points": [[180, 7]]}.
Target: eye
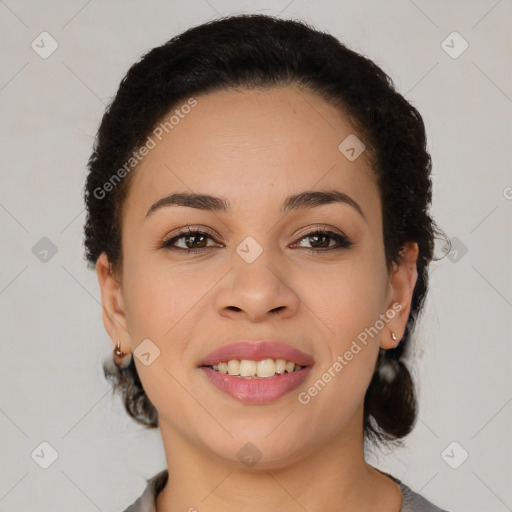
{"points": [[192, 240], [196, 240], [320, 239]]}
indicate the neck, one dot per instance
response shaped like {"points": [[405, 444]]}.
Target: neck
{"points": [[332, 476]]}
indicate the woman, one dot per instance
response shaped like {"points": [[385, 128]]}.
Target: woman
{"points": [[257, 204]]}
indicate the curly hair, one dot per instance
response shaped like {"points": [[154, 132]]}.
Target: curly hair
{"points": [[259, 51]]}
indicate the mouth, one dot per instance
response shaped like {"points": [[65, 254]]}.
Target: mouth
{"points": [[249, 369], [256, 372], [257, 351]]}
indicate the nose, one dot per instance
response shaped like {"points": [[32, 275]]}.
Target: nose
{"points": [[257, 291]]}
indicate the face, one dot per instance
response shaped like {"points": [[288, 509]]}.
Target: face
{"points": [[310, 274]]}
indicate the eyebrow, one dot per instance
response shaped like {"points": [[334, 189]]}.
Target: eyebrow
{"points": [[301, 200]]}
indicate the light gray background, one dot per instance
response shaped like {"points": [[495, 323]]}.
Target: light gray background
{"points": [[52, 337]]}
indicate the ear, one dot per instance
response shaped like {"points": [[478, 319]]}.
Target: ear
{"points": [[112, 301], [401, 286]]}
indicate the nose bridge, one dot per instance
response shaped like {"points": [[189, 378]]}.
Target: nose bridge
{"points": [[257, 286], [253, 272]]}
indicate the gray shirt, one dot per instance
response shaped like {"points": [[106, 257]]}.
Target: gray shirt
{"points": [[411, 501]]}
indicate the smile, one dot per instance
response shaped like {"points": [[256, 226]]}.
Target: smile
{"points": [[256, 369]]}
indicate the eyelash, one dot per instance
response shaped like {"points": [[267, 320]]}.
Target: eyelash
{"points": [[342, 241]]}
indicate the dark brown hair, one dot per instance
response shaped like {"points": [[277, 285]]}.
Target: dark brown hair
{"points": [[261, 51]]}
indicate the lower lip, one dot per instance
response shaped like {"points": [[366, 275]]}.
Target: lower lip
{"points": [[256, 391]]}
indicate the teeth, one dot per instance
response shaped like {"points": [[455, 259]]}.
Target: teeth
{"points": [[266, 368], [234, 367], [262, 369], [290, 366], [280, 365], [247, 368]]}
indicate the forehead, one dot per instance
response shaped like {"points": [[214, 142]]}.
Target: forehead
{"points": [[251, 145]]}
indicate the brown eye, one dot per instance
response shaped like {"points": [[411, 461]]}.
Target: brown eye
{"points": [[191, 241], [320, 241]]}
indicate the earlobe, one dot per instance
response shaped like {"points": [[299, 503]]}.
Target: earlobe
{"points": [[402, 283], [112, 301]]}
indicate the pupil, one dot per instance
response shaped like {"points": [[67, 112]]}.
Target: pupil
{"points": [[319, 236], [191, 246]]}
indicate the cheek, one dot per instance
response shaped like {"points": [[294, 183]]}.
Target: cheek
{"points": [[348, 299], [161, 307], [347, 310], [159, 303], [351, 305]]}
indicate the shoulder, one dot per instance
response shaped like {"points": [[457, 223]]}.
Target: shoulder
{"points": [[147, 501], [414, 502]]}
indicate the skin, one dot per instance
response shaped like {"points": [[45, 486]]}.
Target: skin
{"points": [[254, 148]]}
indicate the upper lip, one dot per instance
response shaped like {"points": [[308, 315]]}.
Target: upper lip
{"points": [[256, 351]]}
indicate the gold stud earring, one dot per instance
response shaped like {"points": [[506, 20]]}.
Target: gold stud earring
{"points": [[117, 351], [120, 358]]}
